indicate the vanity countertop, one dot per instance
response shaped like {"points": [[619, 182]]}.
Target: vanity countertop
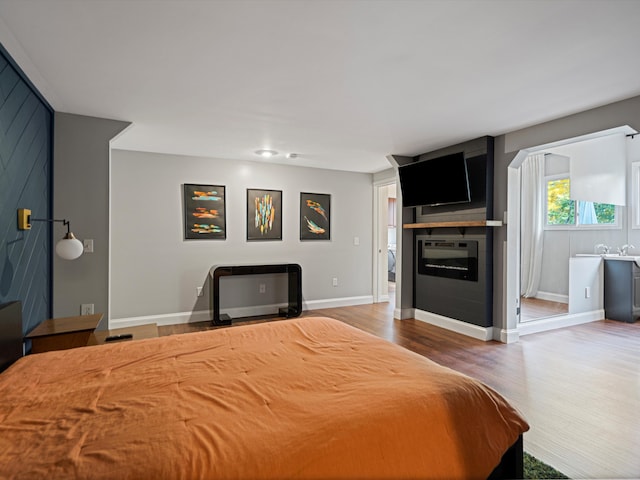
{"points": [[612, 256]]}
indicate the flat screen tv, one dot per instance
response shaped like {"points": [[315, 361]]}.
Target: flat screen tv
{"points": [[439, 181]]}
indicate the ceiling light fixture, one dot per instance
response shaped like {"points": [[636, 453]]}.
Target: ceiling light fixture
{"points": [[266, 153]]}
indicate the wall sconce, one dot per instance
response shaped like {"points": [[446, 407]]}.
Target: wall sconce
{"points": [[69, 247]]}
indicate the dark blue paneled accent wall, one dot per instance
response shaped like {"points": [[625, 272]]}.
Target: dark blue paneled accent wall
{"points": [[25, 182]]}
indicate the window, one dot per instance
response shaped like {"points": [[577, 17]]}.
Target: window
{"points": [[562, 212], [560, 209]]}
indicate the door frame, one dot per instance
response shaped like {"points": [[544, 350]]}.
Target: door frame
{"points": [[511, 304], [380, 260]]}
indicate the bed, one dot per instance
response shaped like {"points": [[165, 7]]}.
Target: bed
{"points": [[308, 398]]}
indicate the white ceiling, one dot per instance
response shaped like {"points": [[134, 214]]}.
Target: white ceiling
{"points": [[343, 83]]}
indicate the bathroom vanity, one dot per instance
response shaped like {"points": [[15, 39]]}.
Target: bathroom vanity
{"points": [[622, 288]]}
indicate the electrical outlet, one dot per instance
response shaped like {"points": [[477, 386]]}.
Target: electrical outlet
{"points": [[263, 288], [335, 281], [86, 309], [199, 291], [356, 241]]}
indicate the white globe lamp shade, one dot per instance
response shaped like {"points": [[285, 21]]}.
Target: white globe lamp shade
{"points": [[69, 247]]}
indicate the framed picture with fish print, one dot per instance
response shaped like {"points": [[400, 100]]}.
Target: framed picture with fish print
{"points": [[315, 216], [264, 214], [204, 212]]}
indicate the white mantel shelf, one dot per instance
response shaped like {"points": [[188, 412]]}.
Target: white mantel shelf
{"points": [[468, 223]]}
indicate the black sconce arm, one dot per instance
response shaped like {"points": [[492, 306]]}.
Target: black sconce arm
{"points": [[65, 222]]}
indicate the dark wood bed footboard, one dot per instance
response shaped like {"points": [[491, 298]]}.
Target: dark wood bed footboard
{"points": [[10, 333], [511, 465]]}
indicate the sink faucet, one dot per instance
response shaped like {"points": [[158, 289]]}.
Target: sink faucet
{"points": [[605, 248], [623, 250]]}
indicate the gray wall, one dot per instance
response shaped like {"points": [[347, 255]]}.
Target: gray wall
{"points": [[625, 112], [164, 270], [154, 271], [81, 195]]}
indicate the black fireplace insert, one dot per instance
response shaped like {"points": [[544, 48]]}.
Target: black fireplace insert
{"points": [[456, 259]]}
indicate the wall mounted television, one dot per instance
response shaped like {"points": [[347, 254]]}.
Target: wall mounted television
{"points": [[439, 181]]}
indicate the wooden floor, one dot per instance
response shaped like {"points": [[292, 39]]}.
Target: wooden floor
{"points": [[578, 387]]}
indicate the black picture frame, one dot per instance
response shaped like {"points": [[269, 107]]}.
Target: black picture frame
{"points": [[205, 216], [264, 214], [315, 216]]}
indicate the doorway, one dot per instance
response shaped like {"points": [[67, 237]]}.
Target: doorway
{"points": [[556, 312], [385, 241]]}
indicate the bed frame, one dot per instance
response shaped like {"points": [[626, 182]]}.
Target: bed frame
{"points": [[10, 333], [512, 463]]}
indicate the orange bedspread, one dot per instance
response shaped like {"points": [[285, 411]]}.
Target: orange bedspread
{"points": [[303, 398]]}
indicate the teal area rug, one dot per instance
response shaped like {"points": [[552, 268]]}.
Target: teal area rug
{"points": [[535, 469]]}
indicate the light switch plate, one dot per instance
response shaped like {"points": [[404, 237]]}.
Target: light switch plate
{"points": [[88, 245]]}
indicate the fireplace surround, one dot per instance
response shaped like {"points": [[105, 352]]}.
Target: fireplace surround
{"points": [[453, 266], [461, 292]]}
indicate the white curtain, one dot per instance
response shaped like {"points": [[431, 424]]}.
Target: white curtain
{"points": [[532, 229]]}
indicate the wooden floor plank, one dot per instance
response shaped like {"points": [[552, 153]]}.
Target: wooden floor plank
{"points": [[578, 387]]}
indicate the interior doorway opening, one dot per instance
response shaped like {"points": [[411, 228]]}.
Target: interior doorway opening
{"points": [[544, 311], [385, 244]]}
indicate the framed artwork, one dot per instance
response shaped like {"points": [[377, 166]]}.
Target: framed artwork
{"points": [[264, 214], [204, 212], [315, 216]]}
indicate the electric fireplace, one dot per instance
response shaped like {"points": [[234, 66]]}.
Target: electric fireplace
{"points": [[453, 276], [456, 259]]}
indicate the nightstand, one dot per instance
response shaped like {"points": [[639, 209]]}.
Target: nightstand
{"points": [[63, 333]]}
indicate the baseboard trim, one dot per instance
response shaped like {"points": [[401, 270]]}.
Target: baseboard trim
{"points": [[240, 312], [160, 320], [403, 313], [481, 333], [552, 297], [560, 321], [506, 336], [337, 302]]}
